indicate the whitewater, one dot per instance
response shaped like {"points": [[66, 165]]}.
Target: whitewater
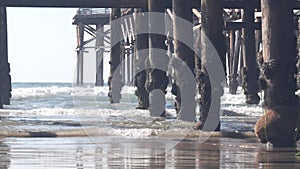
{"points": [[61, 106]]}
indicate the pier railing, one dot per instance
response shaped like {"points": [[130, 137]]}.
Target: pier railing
{"points": [[93, 11]]}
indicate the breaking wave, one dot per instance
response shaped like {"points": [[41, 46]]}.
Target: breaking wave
{"points": [[39, 92]]}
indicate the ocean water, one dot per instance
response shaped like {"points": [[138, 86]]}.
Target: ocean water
{"points": [[53, 106], [33, 96]]}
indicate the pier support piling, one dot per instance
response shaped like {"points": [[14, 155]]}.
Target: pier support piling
{"points": [[115, 80], [80, 50], [141, 54], [298, 62], [157, 80], [184, 53], [212, 33], [99, 55], [258, 37], [233, 81], [250, 69], [230, 55], [5, 78], [279, 122]]}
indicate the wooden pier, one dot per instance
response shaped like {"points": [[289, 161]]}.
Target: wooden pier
{"points": [[92, 22], [231, 21]]}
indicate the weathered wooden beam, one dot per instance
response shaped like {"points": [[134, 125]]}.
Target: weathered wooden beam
{"points": [[92, 33], [296, 4], [258, 38], [184, 72], [99, 55], [250, 68], [240, 25], [123, 3], [254, 4], [76, 3], [127, 32], [132, 61], [94, 19], [3, 51], [298, 62], [280, 120], [157, 80], [210, 83], [211, 89], [81, 58], [5, 83], [114, 81], [128, 65], [123, 63], [235, 40], [254, 25], [241, 64], [77, 67], [231, 50], [197, 13], [233, 82], [132, 58], [80, 44]]}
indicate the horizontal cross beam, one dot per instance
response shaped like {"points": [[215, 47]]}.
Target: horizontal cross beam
{"points": [[123, 3], [253, 25], [116, 3], [75, 3]]}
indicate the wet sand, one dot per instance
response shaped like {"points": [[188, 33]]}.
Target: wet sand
{"points": [[58, 143], [82, 152]]}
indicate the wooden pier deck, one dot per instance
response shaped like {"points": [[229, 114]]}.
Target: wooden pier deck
{"points": [[121, 3], [117, 3]]}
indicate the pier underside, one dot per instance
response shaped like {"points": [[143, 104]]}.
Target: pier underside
{"points": [[259, 51]]}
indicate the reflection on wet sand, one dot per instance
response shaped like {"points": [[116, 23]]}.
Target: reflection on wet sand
{"points": [[278, 158], [82, 153], [4, 156]]}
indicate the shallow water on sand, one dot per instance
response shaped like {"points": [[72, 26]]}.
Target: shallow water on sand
{"points": [[120, 136], [82, 153]]}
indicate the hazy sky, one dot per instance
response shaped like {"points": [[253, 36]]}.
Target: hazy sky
{"points": [[41, 44]]}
